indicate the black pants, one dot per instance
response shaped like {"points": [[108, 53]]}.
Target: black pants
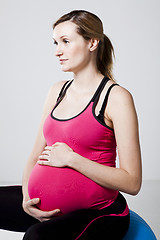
{"points": [[86, 224]]}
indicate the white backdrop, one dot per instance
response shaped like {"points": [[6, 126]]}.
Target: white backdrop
{"points": [[28, 68]]}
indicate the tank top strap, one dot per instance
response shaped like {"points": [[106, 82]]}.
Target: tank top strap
{"points": [[64, 89], [101, 112], [97, 93], [100, 88]]}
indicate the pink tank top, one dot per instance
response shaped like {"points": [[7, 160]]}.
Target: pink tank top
{"points": [[89, 136]]}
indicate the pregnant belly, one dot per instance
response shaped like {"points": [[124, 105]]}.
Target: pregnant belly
{"points": [[64, 188]]}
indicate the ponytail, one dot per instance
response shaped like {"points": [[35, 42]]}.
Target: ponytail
{"points": [[105, 56]]}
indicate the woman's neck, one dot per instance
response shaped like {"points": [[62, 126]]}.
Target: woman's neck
{"points": [[87, 78]]}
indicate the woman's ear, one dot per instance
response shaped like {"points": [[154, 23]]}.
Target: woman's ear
{"points": [[93, 44]]}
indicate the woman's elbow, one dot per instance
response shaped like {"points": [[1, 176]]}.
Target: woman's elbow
{"points": [[136, 190], [135, 187]]}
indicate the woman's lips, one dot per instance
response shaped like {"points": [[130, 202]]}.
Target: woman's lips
{"points": [[63, 60]]}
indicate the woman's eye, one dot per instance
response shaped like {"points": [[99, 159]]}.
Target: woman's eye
{"points": [[55, 43], [65, 41]]}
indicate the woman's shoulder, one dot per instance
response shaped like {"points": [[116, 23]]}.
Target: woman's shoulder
{"points": [[53, 94], [120, 94], [55, 89], [120, 100]]}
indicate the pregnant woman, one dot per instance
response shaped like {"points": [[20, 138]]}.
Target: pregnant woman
{"points": [[71, 186]]}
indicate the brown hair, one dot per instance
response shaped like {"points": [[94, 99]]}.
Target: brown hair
{"points": [[90, 27]]}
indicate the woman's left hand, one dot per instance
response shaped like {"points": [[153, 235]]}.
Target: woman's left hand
{"points": [[56, 155]]}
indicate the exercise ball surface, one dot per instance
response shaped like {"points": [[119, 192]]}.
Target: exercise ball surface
{"points": [[138, 229]]}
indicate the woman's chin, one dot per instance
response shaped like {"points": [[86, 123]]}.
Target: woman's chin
{"points": [[66, 70]]}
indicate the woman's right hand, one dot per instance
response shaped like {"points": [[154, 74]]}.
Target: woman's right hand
{"points": [[30, 208]]}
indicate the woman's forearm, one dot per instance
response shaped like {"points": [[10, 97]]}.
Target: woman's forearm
{"points": [[114, 178], [26, 174]]}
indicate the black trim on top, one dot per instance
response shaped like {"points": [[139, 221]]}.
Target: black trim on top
{"points": [[62, 94], [67, 119], [101, 112], [100, 117], [94, 99], [62, 90], [100, 121], [100, 88]]}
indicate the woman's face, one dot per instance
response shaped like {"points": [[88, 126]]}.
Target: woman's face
{"points": [[72, 49]]}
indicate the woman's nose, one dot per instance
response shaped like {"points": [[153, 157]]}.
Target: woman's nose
{"points": [[58, 51]]}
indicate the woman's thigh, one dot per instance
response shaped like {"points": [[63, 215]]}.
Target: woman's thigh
{"points": [[12, 215], [83, 224]]}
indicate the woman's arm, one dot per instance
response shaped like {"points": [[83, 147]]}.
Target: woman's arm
{"points": [[39, 145], [121, 111]]}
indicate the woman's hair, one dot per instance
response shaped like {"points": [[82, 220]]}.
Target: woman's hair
{"points": [[89, 26]]}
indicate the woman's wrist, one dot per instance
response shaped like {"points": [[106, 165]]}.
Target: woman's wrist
{"points": [[25, 192], [71, 159]]}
